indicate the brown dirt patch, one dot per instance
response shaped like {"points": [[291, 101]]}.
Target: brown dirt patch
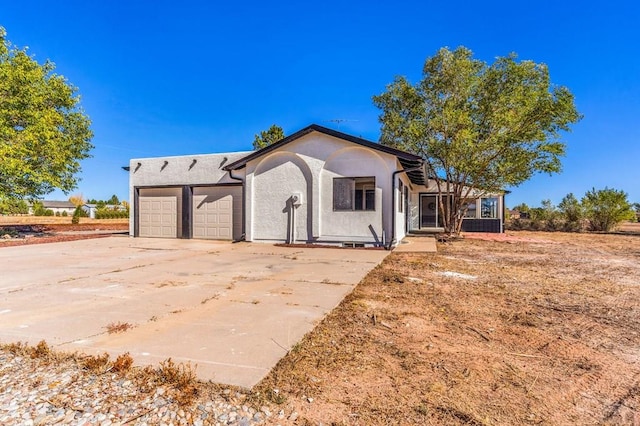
{"points": [[528, 332], [41, 233], [507, 237], [54, 220]]}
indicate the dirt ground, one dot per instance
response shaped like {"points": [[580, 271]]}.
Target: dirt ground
{"points": [[23, 230], [535, 328]]}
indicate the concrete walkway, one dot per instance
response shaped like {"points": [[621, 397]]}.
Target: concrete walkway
{"points": [[232, 309], [421, 244]]}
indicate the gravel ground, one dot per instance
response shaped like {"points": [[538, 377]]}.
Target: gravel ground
{"points": [[37, 391]]}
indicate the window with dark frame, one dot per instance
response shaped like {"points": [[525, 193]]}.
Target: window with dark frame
{"points": [[354, 194], [489, 208], [471, 209]]}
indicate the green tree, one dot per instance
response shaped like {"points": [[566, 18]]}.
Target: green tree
{"points": [[38, 208], [77, 214], [13, 206], [571, 208], [114, 200], [546, 211], [636, 208], [479, 127], [606, 208], [268, 137], [43, 132], [522, 208]]}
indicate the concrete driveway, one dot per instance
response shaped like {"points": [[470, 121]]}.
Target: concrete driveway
{"points": [[232, 309]]}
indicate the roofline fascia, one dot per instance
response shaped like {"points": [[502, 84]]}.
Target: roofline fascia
{"points": [[330, 132]]}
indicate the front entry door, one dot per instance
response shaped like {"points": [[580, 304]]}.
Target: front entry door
{"points": [[428, 211]]}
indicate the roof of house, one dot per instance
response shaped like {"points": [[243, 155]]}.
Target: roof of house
{"points": [[407, 160], [58, 204]]}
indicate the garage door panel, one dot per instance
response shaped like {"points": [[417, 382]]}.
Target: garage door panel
{"points": [[215, 212], [158, 216]]}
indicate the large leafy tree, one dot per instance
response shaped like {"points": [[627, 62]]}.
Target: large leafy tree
{"points": [[268, 137], [43, 132], [479, 127]]}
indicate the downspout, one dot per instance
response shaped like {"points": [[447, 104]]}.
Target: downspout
{"points": [[392, 238], [502, 213], [244, 209], [293, 223]]}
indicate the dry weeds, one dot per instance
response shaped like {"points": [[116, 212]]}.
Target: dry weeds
{"points": [[548, 333], [178, 379], [118, 327]]}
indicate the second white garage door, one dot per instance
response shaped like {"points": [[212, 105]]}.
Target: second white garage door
{"points": [[217, 212]]}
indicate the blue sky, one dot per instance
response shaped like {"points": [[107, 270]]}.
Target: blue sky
{"points": [[174, 78]]}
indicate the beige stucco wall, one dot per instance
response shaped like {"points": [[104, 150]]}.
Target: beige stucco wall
{"points": [[308, 166]]}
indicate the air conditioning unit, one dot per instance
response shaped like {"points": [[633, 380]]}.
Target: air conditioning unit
{"points": [[296, 199]]}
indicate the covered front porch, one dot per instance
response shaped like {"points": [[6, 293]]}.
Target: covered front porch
{"points": [[484, 214]]}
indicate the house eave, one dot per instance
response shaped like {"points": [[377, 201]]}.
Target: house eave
{"points": [[316, 128]]}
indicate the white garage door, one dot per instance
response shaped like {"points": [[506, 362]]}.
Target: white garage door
{"points": [[217, 212], [158, 216]]}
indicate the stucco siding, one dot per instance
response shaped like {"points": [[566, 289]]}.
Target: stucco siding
{"points": [[203, 169], [308, 166], [276, 178], [355, 162]]}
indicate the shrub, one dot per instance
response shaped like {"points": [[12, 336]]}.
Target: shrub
{"points": [[516, 225], [606, 208], [553, 224], [570, 226], [64, 213], [571, 208], [105, 213], [535, 224], [77, 214]]}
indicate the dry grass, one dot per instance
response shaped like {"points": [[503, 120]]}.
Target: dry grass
{"points": [[178, 379], [118, 327], [548, 333]]}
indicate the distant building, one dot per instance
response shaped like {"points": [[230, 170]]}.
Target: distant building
{"points": [[517, 214], [56, 206], [91, 209]]}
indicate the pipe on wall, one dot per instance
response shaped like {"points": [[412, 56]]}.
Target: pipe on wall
{"points": [[244, 203], [392, 238]]}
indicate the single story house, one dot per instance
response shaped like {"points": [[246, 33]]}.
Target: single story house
{"points": [[56, 206], [316, 186]]}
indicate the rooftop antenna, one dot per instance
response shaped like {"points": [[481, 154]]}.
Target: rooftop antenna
{"points": [[339, 121]]}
